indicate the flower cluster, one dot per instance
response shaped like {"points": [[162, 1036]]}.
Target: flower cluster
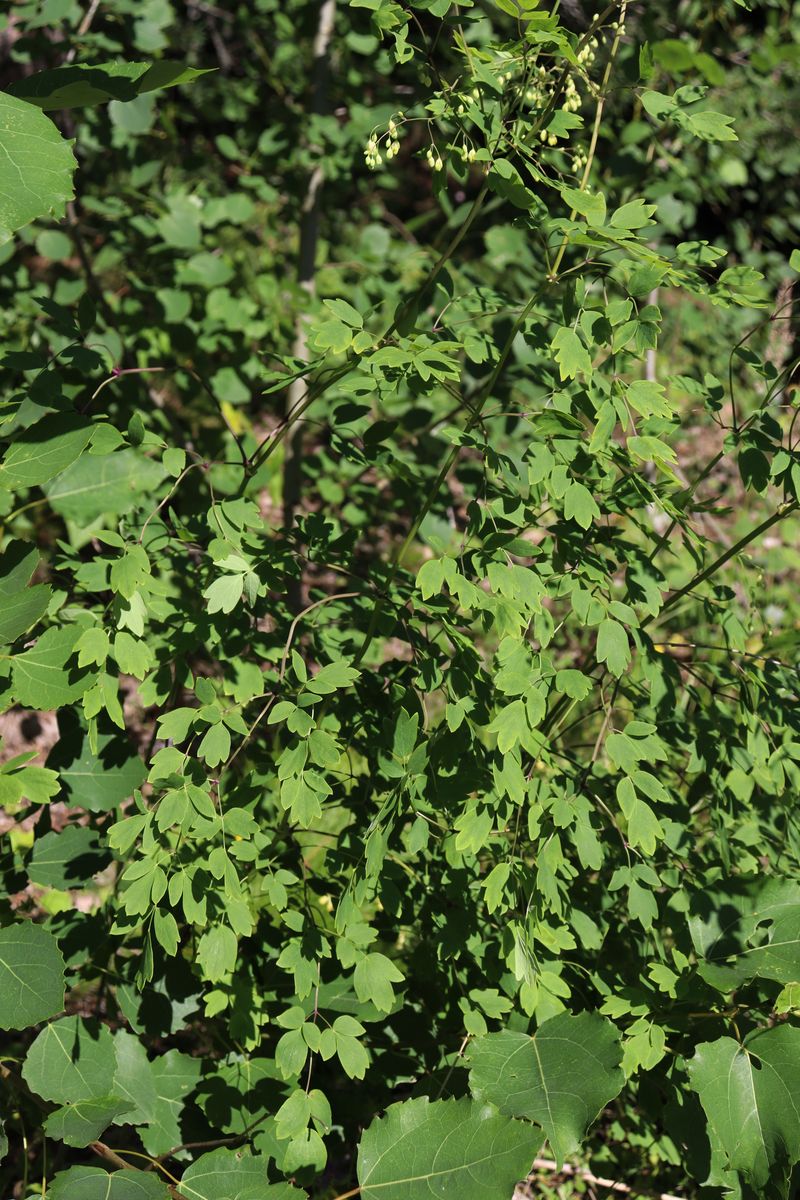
{"points": [[572, 99], [434, 159], [588, 53], [579, 161], [385, 144]]}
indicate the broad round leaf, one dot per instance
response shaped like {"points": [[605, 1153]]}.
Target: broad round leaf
{"points": [[31, 976], [444, 1147], [40, 676], [232, 1175], [37, 166], [107, 483], [751, 1096], [20, 605], [71, 1059], [81, 1123], [93, 1183], [67, 859], [44, 450], [742, 932], [562, 1077], [95, 781]]}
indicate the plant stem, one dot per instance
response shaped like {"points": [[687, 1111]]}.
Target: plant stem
{"points": [[737, 548], [598, 117]]}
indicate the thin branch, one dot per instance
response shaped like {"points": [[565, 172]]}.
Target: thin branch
{"points": [[545, 1164], [110, 1155], [83, 28], [784, 511]]}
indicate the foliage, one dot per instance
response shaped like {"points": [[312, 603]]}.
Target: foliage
{"points": [[419, 621]]}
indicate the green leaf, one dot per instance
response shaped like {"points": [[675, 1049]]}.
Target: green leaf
{"points": [[580, 506], [570, 354], [345, 312], [21, 610], [106, 485], [46, 448], [81, 1123], [224, 593], [38, 167], [591, 205], [134, 1079], [424, 1148], [40, 677], [71, 1059], [156, 1089], [650, 449], [68, 859], [373, 979], [85, 84], [561, 1078], [511, 726], [21, 606], [31, 976], [99, 779], [505, 179], [788, 1000], [612, 646], [93, 1183], [751, 1096], [216, 952], [635, 214], [331, 678], [232, 1175], [709, 126], [741, 933], [644, 827], [573, 683], [215, 746]]}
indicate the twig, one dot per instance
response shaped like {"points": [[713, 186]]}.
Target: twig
{"points": [[545, 1164], [83, 28], [598, 120], [304, 613], [702, 576], [110, 1155]]}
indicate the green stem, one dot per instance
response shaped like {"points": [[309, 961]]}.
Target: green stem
{"points": [[720, 562], [598, 118]]}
